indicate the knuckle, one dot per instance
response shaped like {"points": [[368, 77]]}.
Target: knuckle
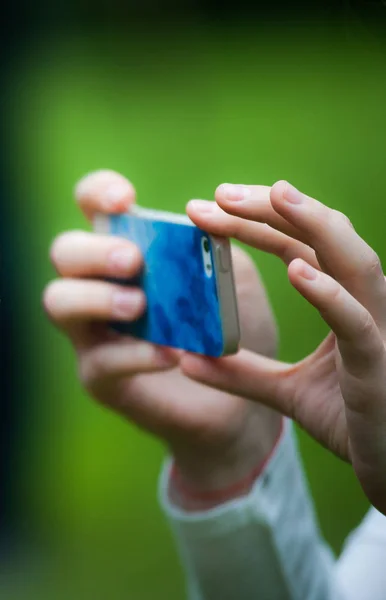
{"points": [[340, 218], [84, 372], [369, 265], [62, 243], [365, 324], [288, 252], [334, 292], [51, 297], [92, 367], [235, 228], [372, 263]]}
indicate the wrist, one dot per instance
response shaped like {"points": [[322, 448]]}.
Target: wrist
{"points": [[204, 478]]}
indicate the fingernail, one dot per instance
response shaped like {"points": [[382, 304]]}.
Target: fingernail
{"points": [[292, 195], [308, 272], [145, 352], [234, 192], [127, 303], [204, 206], [120, 261], [115, 194]]}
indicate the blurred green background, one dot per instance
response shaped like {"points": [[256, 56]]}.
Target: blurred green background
{"points": [[177, 111]]}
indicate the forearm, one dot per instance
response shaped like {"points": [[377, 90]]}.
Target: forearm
{"points": [[265, 544]]}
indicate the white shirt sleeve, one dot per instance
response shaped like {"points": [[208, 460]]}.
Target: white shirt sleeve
{"points": [[267, 545], [361, 569]]}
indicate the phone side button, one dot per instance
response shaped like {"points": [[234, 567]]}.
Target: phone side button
{"points": [[223, 259]]}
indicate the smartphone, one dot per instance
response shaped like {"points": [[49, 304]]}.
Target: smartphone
{"points": [[187, 278]]}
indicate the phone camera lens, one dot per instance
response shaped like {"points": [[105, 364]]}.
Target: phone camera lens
{"points": [[206, 256]]}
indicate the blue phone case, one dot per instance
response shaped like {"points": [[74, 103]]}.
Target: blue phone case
{"points": [[183, 309]]}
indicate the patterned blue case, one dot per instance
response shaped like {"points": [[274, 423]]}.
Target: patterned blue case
{"points": [[183, 309]]}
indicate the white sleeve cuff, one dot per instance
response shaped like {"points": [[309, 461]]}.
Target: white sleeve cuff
{"points": [[241, 508], [266, 542]]}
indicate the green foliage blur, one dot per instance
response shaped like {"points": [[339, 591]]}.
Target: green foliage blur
{"points": [[178, 112]]}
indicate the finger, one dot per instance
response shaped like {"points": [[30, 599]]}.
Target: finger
{"points": [[123, 358], [246, 374], [252, 202], [82, 254], [360, 342], [104, 191], [341, 252], [71, 301], [211, 218]]}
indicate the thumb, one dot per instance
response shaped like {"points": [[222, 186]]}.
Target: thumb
{"points": [[245, 374]]}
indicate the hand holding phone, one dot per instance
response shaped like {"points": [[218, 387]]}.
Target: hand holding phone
{"points": [[148, 384]]}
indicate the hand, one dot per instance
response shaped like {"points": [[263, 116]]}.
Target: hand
{"points": [[338, 393], [216, 438]]}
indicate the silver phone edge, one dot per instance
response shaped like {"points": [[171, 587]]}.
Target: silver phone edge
{"points": [[226, 291], [101, 220], [101, 224]]}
